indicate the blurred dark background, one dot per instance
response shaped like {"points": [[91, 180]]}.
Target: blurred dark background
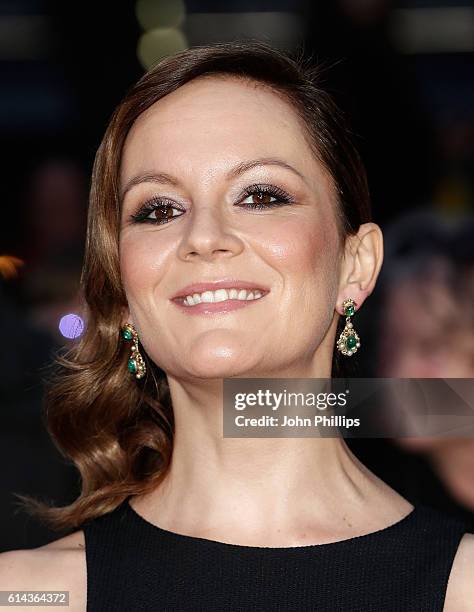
{"points": [[403, 73]]}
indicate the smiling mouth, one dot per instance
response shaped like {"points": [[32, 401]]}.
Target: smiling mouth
{"points": [[221, 295]]}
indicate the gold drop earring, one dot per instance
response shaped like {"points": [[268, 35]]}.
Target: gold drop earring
{"points": [[349, 340], [136, 364]]}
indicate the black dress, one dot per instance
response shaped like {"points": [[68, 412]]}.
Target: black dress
{"points": [[134, 565]]}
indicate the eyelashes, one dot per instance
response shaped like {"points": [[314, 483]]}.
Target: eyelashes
{"points": [[165, 209]]}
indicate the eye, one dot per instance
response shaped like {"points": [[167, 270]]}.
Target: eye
{"points": [[263, 195], [162, 210]]}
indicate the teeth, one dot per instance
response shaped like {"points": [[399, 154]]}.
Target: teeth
{"points": [[220, 295], [207, 297]]}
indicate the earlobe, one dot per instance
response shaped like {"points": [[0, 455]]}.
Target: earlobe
{"points": [[126, 318]]}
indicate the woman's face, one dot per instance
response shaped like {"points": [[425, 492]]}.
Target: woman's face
{"points": [[200, 136]]}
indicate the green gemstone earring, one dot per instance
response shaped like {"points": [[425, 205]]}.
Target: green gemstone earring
{"points": [[349, 340], [135, 364]]}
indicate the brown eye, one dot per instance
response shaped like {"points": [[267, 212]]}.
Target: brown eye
{"points": [[264, 196], [157, 212], [164, 212], [259, 197]]}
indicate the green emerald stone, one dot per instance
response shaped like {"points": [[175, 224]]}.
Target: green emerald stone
{"points": [[349, 310], [351, 342], [132, 366], [127, 334]]}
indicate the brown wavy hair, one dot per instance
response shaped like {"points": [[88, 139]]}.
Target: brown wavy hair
{"points": [[117, 430]]}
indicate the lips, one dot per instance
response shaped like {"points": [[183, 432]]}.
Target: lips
{"points": [[218, 284]]}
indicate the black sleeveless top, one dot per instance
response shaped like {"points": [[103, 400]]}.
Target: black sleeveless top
{"points": [[134, 565]]}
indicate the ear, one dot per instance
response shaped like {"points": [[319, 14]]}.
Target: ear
{"points": [[362, 260], [126, 318]]}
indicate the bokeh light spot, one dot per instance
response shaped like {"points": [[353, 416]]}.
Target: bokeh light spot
{"points": [[163, 14], [159, 43], [71, 326]]}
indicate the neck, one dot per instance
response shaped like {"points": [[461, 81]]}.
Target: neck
{"points": [[248, 486]]}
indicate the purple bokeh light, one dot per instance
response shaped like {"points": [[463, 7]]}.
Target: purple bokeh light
{"points": [[71, 326]]}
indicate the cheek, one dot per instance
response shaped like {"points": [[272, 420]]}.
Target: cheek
{"points": [[143, 264], [305, 252], [305, 255]]}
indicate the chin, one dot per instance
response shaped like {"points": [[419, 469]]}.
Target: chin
{"points": [[218, 367], [217, 361]]}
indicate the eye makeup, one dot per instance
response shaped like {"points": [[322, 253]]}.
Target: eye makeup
{"points": [[164, 208]]}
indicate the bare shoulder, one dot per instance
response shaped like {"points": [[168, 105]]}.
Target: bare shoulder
{"points": [[460, 590], [59, 565]]}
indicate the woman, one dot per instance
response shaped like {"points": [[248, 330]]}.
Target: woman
{"points": [[225, 167]]}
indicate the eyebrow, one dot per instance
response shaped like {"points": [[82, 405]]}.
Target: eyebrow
{"points": [[167, 179]]}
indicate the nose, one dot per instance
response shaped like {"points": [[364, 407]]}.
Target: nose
{"points": [[208, 235]]}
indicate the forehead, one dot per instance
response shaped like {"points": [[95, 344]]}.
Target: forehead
{"points": [[212, 122]]}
